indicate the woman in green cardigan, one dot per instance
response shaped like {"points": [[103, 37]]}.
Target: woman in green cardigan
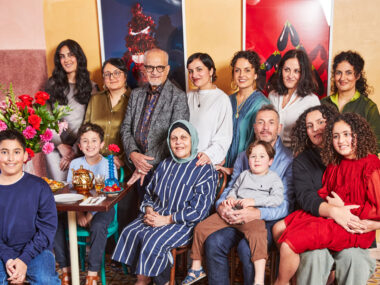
{"points": [[107, 108], [350, 90]]}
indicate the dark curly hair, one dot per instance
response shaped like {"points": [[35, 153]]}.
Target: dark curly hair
{"points": [[59, 82], [299, 138], [306, 83], [364, 140], [250, 55], [206, 60], [357, 62]]}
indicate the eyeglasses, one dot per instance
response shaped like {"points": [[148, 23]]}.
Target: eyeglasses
{"points": [[116, 74], [159, 68]]}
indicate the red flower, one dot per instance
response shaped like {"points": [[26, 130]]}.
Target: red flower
{"points": [[30, 153], [26, 99], [113, 147], [31, 111], [41, 97], [21, 105], [35, 121]]}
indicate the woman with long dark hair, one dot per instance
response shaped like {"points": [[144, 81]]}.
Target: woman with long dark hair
{"points": [[292, 89], [350, 90], [70, 85]]}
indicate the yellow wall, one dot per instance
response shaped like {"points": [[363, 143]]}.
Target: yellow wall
{"points": [[356, 27], [215, 27], [77, 20]]}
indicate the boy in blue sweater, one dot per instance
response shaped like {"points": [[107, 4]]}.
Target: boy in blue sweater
{"points": [[28, 218], [91, 141]]}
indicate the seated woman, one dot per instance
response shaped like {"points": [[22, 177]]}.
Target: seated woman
{"points": [[107, 108], [351, 90], [178, 196], [351, 182], [308, 169], [210, 110], [292, 90]]}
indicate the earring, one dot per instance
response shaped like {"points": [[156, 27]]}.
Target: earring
{"points": [[234, 85]]}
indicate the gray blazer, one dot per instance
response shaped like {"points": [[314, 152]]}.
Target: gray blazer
{"points": [[171, 106]]}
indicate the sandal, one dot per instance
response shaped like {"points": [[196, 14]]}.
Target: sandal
{"points": [[65, 278], [90, 279], [198, 274]]}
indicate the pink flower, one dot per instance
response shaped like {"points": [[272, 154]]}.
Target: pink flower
{"points": [[114, 148], [48, 148], [14, 118], [47, 136], [29, 132], [62, 126], [3, 126], [3, 106]]}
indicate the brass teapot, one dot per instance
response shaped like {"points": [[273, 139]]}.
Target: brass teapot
{"points": [[82, 180]]}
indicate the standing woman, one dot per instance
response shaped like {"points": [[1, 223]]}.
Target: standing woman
{"points": [[107, 108], [70, 85], [351, 90], [245, 102], [292, 90], [210, 110]]}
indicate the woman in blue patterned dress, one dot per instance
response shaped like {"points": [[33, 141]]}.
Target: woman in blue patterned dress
{"points": [[179, 195]]}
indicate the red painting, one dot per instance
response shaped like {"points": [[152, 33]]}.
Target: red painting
{"points": [[276, 26]]}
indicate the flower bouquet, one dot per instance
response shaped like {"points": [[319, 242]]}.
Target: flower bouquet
{"points": [[31, 117]]}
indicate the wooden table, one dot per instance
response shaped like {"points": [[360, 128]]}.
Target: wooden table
{"points": [[71, 210]]}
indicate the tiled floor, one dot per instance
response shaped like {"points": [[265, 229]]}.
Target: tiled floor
{"points": [[116, 276]]}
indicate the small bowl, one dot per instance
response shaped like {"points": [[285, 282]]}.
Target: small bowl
{"points": [[110, 194]]}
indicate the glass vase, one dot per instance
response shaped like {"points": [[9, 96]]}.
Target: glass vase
{"points": [[111, 180]]}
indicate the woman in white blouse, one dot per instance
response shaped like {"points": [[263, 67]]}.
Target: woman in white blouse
{"points": [[210, 110], [292, 90]]}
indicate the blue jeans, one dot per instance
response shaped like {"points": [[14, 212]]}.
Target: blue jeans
{"points": [[217, 247], [40, 271]]}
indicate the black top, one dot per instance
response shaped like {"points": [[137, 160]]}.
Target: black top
{"points": [[308, 170]]}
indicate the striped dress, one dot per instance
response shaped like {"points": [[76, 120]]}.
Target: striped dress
{"points": [[179, 189]]}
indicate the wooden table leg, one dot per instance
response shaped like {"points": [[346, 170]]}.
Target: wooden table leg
{"points": [[73, 240]]}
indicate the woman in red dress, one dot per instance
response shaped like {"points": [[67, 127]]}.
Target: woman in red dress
{"points": [[353, 173]]}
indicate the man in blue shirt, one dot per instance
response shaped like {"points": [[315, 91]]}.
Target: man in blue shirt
{"points": [[267, 128]]}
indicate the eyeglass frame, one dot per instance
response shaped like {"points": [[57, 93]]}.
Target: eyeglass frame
{"points": [[158, 67], [116, 74]]}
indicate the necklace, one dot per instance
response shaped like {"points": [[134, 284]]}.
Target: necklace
{"points": [[239, 107], [199, 99]]}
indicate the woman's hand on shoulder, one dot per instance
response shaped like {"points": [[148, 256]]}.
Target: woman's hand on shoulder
{"points": [[203, 159]]}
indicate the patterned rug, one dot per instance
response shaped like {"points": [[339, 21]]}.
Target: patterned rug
{"points": [[116, 276]]}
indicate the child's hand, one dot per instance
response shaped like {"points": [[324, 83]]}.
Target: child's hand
{"points": [[335, 200], [244, 203], [229, 202], [89, 217], [81, 219]]}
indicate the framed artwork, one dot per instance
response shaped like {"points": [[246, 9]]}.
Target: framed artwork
{"points": [[128, 28], [272, 27]]}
